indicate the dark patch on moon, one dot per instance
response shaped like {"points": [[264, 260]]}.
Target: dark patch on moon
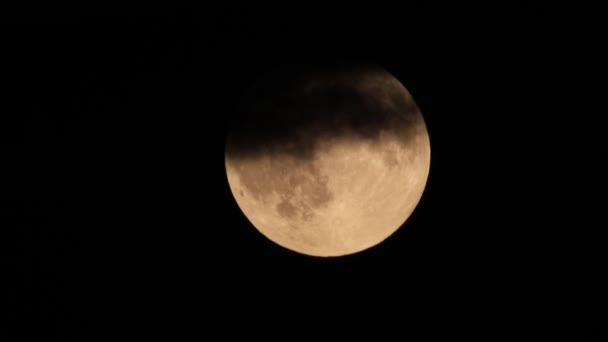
{"points": [[293, 108], [307, 215], [390, 158], [286, 209], [300, 186], [313, 193]]}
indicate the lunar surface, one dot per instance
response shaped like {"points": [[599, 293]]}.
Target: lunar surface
{"points": [[327, 160]]}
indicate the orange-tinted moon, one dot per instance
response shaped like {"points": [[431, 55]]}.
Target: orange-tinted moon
{"points": [[328, 160]]}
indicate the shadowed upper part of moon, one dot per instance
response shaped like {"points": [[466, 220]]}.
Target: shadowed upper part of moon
{"points": [[293, 108]]}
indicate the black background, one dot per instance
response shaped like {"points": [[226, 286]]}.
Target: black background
{"points": [[118, 217]]}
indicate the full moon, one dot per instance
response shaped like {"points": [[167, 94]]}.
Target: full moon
{"points": [[327, 159]]}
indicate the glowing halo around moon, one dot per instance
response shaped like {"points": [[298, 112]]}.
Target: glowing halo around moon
{"points": [[327, 160]]}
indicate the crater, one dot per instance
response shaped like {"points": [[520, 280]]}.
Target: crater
{"points": [[390, 158], [286, 209], [307, 215]]}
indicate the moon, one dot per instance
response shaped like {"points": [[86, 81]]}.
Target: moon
{"points": [[327, 159]]}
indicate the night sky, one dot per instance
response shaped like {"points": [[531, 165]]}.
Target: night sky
{"points": [[117, 215]]}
